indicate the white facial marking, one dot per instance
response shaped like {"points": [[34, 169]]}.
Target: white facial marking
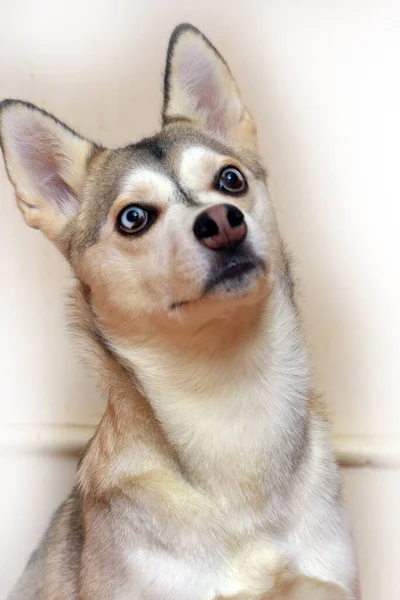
{"points": [[152, 185], [198, 167]]}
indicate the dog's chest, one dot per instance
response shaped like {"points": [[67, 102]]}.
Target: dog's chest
{"points": [[225, 430], [226, 450]]}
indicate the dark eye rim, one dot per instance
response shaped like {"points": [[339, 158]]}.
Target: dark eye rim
{"points": [[219, 186], [152, 215]]}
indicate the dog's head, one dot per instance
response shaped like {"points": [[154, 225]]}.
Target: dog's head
{"points": [[177, 226]]}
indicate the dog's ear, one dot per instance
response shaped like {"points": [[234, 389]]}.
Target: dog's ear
{"points": [[47, 164], [199, 87]]}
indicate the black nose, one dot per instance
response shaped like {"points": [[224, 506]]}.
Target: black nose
{"points": [[220, 226]]}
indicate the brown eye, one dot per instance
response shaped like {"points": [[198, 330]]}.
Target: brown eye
{"points": [[133, 219], [231, 180]]}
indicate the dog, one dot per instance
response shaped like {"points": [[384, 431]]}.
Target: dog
{"points": [[211, 474]]}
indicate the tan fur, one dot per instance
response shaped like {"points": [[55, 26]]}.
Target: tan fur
{"points": [[211, 474]]}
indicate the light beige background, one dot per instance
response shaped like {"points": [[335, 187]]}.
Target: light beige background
{"points": [[322, 79]]}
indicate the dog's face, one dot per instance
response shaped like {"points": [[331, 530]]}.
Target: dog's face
{"points": [[178, 226], [185, 230]]}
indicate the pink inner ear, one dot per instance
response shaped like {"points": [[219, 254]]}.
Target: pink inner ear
{"points": [[199, 81], [44, 161]]}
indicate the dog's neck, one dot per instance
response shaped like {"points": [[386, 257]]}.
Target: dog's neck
{"points": [[233, 390]]}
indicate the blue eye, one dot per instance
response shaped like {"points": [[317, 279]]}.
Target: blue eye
{"points": [[133, 219], [231, 180]]}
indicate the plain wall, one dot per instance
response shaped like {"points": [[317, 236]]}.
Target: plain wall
{"points": [[322, 81]]}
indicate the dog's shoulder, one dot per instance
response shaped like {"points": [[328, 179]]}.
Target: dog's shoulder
{"points": [[60, 548]]}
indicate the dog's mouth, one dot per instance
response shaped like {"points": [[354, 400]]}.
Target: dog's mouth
{"points": [[236, 275]]}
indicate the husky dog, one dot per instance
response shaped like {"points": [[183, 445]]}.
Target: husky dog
{"points": [[211, 474]]}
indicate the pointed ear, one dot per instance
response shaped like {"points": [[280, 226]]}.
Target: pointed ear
{"points": [[47, 164], [199, 87]]}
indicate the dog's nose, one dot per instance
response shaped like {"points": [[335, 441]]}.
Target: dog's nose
{"points": [[220, 226]]}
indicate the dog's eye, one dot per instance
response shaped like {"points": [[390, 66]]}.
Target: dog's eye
{"points": [[133, 219], [231, 180]]}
